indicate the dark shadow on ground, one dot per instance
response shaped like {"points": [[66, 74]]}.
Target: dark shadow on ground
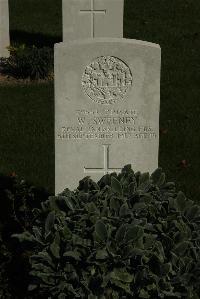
{"points": [[36, 39]]}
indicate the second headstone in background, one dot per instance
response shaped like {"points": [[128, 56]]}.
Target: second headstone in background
{"points": [[92, 18], [4, 28]]}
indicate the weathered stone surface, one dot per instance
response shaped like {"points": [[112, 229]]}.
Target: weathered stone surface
{"points": [[107, 96], [4, 28], [92, 18]]}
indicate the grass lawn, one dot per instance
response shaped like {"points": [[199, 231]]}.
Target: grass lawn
{"points": [[27, 126], [26, 117]]}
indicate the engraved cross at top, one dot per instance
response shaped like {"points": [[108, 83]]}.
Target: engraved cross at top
{"points": [[92, 11], [106, 169]]}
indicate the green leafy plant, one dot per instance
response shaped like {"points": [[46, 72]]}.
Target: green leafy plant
{"points": [[4, 281], [28, 62], [130, 235], [19, 202]]}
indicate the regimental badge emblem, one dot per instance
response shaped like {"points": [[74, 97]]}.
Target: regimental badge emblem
{"points": [[107, 80]]}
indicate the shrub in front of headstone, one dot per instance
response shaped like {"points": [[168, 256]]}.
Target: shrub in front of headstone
{"points": [[28, 62], [130, 235]]}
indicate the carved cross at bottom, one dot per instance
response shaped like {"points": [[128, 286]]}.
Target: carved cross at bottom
{"points": [[106, 169]]}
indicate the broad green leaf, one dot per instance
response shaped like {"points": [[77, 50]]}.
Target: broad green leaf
{"points": [[144, 294], [114, 204], [151, 287], [67, 287], [128, 251], [45, 277], [161, 180], [120, 234], [170, 185], [149, 241], [25, 237], [122, 275], [124, 210], [132, 187], [70, 203], [101, 254], [134, 232], [73, 254], [174, 259], [101, 230], [192, 212], [127, 169], [92, 208], [37, 233], [181, 248], [137, 251], [66, 232], [166, 268], [122, 285], [144, 181], [94, 218], [55, 246], [42, 268], [172, 294], [116, 185], [147, 198], [172, 203], [157, 176], [77, 240], [44, 257], [62, 296], [181, 201], [115, 295], [32, 287], [52, 202], [49, 223], [139, 206], [160, 251]]}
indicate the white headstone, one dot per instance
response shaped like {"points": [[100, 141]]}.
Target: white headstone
{"points": [[4, 28], [92, 18], [107, 96]]}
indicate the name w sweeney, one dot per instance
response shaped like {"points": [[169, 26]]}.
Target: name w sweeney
{"points": [[107, 120]]}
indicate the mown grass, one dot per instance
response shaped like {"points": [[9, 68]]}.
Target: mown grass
{"points": [[27, 111], [175, 25], [27, 126]]}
